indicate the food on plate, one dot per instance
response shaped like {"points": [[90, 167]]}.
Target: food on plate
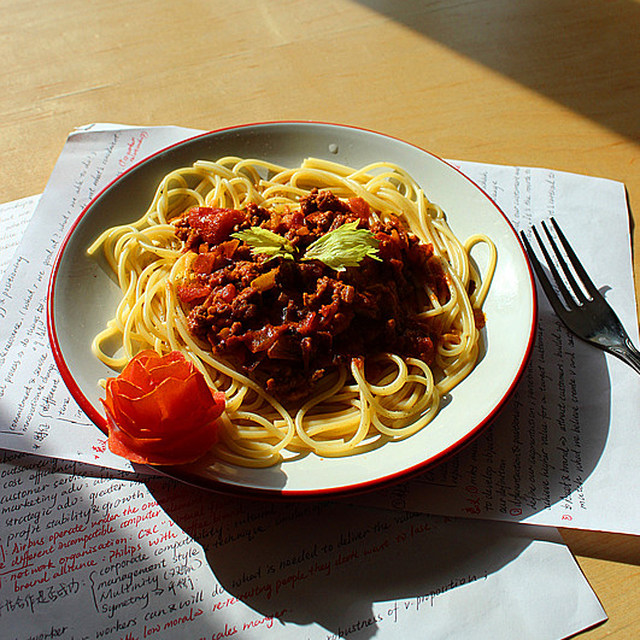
{"points": [[333, 307]]}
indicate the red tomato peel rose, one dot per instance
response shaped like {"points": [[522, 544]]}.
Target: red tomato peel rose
{"points": [[161, 411]]}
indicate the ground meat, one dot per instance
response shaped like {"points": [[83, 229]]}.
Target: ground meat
{"points": [[284, 322]]}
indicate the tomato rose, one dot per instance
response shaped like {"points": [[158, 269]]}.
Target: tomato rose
{"points": [[160, 410]]}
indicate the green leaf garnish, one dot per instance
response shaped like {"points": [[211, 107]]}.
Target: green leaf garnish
{"points": [[344, 247], [264, 241]]}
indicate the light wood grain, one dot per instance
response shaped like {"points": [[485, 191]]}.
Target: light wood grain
{"points": [[553, 84]]}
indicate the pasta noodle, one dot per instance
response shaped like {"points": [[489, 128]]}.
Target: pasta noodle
{"points": [[350, 410]]}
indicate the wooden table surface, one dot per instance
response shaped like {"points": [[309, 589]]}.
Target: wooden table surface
{"points": [[553, 84]]}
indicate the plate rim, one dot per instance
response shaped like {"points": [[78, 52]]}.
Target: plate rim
{"points": [[225, 487]]}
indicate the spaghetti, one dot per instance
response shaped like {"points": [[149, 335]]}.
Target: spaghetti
{"points": [[354, 406]]}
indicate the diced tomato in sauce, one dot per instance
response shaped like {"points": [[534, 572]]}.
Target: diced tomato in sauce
{"points": [[214, 224], [360, 207]]}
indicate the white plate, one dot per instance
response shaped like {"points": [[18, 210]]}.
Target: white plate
{"points": [[82, 296]]}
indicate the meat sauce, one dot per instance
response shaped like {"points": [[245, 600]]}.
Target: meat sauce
{"points": [[285, 323]]}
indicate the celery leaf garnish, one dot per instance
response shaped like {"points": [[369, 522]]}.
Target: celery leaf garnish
{"points": [[344, 247], [264, 241]]}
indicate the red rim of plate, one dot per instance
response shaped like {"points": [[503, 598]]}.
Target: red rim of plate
{"points": [[185, 475]]}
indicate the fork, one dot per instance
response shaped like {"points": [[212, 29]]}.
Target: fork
{"points": [[580, 305]]}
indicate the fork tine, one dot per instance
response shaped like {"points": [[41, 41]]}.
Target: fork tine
{"points": [[582, 274], [560, 259], [569, 303], [547, 287]]}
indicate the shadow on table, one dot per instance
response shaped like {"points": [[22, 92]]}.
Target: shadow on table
{"points": [[327, 564], [584, 56]]}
